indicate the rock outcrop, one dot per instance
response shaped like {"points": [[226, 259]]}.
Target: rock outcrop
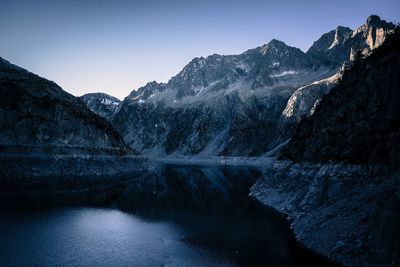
{"points": [[343, 44], [336, 48], [349, 213]]}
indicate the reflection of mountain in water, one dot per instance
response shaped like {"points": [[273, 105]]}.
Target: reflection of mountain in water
{"points": [[214, 205]]}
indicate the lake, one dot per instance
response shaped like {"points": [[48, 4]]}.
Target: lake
{"points": [[179, 216]]}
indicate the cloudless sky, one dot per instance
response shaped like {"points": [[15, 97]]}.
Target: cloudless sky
{"points": [[117, 46]]}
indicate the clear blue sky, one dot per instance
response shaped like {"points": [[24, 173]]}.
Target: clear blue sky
{"points": [[117, 46]]}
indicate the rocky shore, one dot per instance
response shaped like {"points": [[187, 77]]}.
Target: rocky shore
{"points": [[349, 213]]}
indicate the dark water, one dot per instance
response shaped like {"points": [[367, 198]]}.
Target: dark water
{"points": [[175, 217], [96, 237]]}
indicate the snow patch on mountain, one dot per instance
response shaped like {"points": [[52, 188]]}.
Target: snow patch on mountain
{"points": [[284, 73]]}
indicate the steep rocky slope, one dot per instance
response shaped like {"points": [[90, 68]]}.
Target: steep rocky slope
{"points": [[335, 48], [343, 44], [100, 103], [358, 121], [35, 112]]}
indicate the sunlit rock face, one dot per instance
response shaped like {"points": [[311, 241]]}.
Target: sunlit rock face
{"points": [[102, 104], [358, 121], [336, 49], [342, 44], [244, 104], [37, 112]]}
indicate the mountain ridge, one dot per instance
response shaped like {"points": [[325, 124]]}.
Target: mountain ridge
{"points": [[37, 112], [255, 88]]}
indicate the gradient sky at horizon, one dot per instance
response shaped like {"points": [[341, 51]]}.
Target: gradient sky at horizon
{"points": [[117, 46]]}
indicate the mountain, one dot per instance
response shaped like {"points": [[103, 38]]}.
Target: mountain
{"points": [[219, 105], [100, 103], [365, 129], [244, 104], [35, 112]]}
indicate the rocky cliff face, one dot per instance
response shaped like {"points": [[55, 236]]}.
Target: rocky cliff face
{"points": [[243, 104], [359, 120], [102, 104], [222, 123], [35, 112], [343, 44], [334, 49]]}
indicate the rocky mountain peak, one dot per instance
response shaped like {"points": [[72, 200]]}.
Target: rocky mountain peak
{"points": [[328, 41], [343, 44], [374, 24], [340, 36], [274, 46], [370, 35], [197, 62], [146, 91], [375, 21]]}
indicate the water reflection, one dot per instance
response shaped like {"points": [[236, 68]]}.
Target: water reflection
{"points": [[176, 216], [96, 237], [213, 204], [183, 188]]}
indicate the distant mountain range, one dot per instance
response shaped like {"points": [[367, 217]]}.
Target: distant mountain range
{"points": [[238, 105]]}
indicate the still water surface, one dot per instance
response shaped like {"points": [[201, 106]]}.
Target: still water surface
{"points": [[184, 217], [97, 237]]}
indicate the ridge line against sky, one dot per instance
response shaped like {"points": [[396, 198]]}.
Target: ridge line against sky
{"points": [[117, 46]]}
